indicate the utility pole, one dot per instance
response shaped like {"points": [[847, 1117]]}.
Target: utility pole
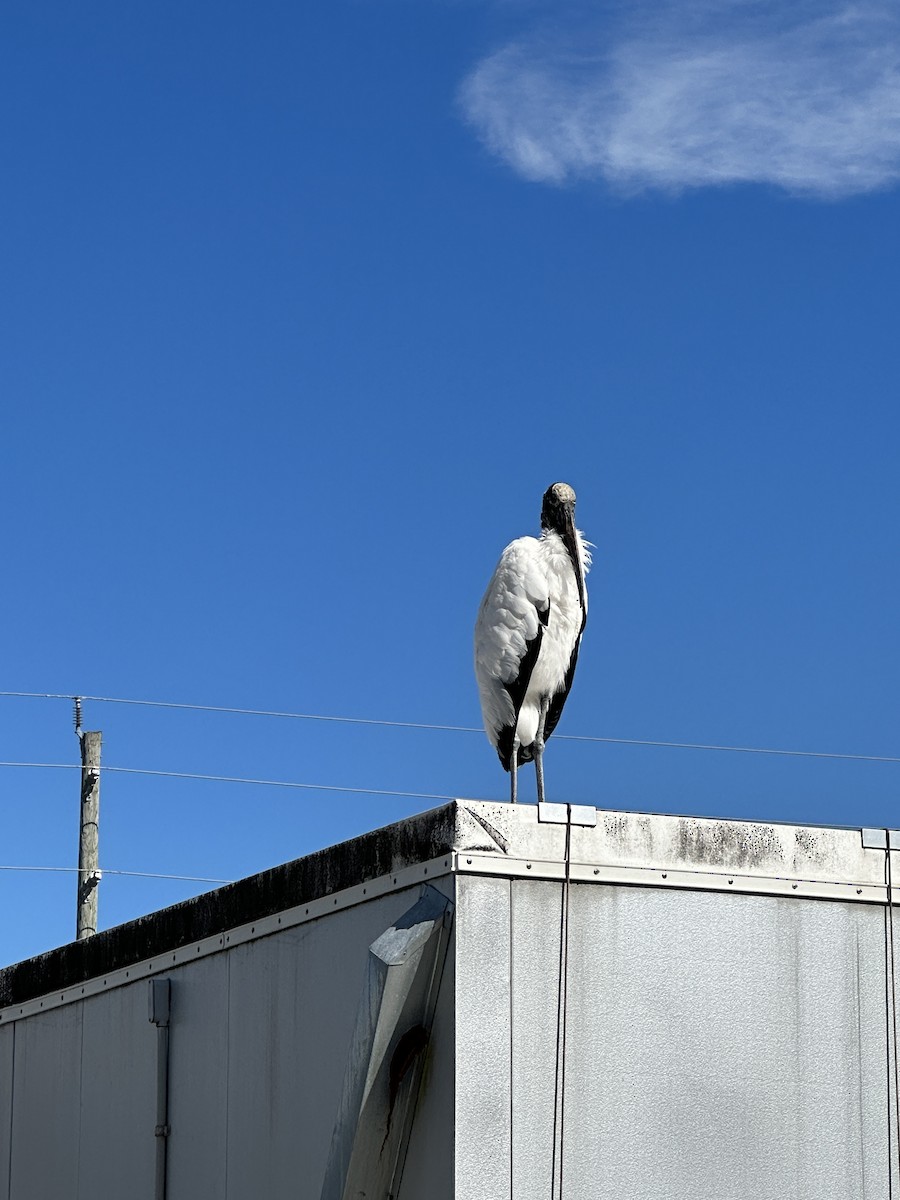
{"points": [[89, 874]]}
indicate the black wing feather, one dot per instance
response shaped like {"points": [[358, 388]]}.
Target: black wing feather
{"points": [[516, 690], [554, 712]]}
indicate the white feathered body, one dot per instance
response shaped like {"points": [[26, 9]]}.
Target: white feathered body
{"points": [[527, 637]]}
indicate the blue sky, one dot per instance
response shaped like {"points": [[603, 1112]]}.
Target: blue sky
{"points": [[304, 306]]}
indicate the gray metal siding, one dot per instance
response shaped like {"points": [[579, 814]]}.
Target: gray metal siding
{"points": [[258, 1046], [198, 1080], [483, 1014], [428, 1173], [82, 1081], [725, 1045], [7, 1049], [46, 1104], [536, 913], [292, 1003], [716, 1045], [259, 1040], [117, 1109]]}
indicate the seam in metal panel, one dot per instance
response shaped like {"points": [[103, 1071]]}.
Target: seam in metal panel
{"points": [[12, 1109], [79, 1009], [227, 1115], [860, 1115], [510, 1064], [372, 889], [891, 997]]}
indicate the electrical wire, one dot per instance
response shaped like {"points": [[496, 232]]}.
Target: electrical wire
{"points": [[110, 871], [246, 712], [312, 787], [882, 758], [565, 737]]}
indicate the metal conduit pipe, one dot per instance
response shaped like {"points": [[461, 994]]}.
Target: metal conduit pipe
{"points": [[160, 997]]}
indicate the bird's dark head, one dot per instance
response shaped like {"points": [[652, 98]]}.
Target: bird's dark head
{"points": [[558, 516], [558, 509]]}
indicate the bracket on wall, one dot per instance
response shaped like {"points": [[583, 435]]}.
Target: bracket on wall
{"points": [[878, 839], [567, 814]]}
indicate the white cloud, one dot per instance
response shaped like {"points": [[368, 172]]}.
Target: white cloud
{"points": [[698, 94]]}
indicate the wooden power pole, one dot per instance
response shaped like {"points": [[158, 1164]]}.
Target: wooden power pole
{"points": [[88, 845]]}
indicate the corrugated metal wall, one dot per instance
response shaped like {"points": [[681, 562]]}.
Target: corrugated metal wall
{"points": [[718, 1047]]}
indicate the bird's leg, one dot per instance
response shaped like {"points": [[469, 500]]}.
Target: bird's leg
{"points": [[539, 749], [513, 765]]}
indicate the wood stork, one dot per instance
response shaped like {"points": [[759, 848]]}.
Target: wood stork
{"points": [[528, 633]]}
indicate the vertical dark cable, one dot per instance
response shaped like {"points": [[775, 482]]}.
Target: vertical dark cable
{"points": [[559, 1097], [565, 1007], [512, 1020]]}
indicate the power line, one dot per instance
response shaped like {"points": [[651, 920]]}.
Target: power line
{"points": [[567, 737], [132, 874], [882, 758], [247, 712], [311, 787], [363, 791]]}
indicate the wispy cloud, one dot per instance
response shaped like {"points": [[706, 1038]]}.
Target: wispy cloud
{"points": [[700, 93]]}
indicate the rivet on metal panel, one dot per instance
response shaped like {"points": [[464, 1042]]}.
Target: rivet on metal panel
{"points": [[528, 866], [665, 874], [596, 870], [859, 891], [794, 886], [731, 881], [468, 862]]}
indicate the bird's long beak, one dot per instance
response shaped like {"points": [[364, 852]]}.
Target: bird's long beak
{"points": [[570, 541]]}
